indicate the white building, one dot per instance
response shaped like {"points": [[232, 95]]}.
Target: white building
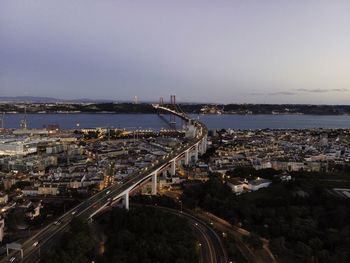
{"points": [[3, 198], [47, 190], [30, 191], [285, 177], [259, 183], [17, 146], [237, 185], [35, 211]]}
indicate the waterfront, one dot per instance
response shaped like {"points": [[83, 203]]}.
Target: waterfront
{"points": [[152, 121]]}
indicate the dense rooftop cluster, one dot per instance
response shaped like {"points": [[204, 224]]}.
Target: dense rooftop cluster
{"points": [[288, 150], [37, 165]]}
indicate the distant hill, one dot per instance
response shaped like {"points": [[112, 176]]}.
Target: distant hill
{"points": [[33, 99], [53, 105]]}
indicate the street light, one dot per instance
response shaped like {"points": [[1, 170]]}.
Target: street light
{"points": [[178, 199]]}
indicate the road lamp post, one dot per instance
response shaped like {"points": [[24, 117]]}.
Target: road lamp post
{"points": [[178, 199]]}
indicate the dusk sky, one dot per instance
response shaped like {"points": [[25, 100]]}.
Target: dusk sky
{"points": [[204, 51]]}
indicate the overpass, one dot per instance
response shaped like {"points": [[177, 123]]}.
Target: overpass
{"points": [[119, 191]]}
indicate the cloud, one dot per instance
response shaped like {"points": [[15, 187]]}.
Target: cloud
{"points": [[321, 90], [298, 91], [283, 93]]}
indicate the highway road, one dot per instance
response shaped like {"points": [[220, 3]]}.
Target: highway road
{"points": [[211, 248], [263, 255], [36, 245]]}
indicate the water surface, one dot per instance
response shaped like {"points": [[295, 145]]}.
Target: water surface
{"points": [[153, 121]]}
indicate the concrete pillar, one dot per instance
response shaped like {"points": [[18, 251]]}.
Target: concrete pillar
{"points": [[187, 157], [173, 168], [203, 150], [196, 153], [154, 183], [201, 147], [126, 201], [165, 173]]}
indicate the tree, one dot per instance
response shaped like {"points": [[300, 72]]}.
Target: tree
{"points": [[253, 240]]}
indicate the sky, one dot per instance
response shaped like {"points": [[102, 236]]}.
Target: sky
{"points": [[234, 51]]}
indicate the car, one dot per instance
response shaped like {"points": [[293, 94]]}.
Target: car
{"points": [[108, 192], [57, 223], [12, 259], [74, 212], [35, 243]]}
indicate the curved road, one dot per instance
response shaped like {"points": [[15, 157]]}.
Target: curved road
{"points": [[212, 250]]}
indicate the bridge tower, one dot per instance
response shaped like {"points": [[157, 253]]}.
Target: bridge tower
{"points": [[161, 104], [173, 107]]}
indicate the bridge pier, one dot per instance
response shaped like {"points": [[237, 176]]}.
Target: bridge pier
{"points": [[165, 173], [196, 153], [205, 140], [154, 183], [203, 147], [200, 148], [173, 168], [126, 200], [187, 157]]}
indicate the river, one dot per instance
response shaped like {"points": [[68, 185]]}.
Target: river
{"points": [[134, 121]]}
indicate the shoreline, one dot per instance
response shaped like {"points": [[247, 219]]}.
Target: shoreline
{"points": [[189, 113]]}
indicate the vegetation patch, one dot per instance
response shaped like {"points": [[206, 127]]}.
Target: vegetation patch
{"points": [[314, 227], [143, 234]]}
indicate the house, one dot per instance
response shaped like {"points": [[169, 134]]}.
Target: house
{"points": [[258, 183], [284, 177], [237, 184], [3, 198], [48, 190], [34, 210], [30, 191]]}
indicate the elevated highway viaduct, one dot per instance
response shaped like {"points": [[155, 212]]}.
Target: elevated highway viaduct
{"points": [[197, 145]]}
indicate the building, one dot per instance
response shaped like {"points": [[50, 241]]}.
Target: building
{"points": [[237, 185], [2, 228], [190, 131], [259, 183], [34, 211], [48, 190], [13, 146], [3, 198], [30, 191], [284, 177]]}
